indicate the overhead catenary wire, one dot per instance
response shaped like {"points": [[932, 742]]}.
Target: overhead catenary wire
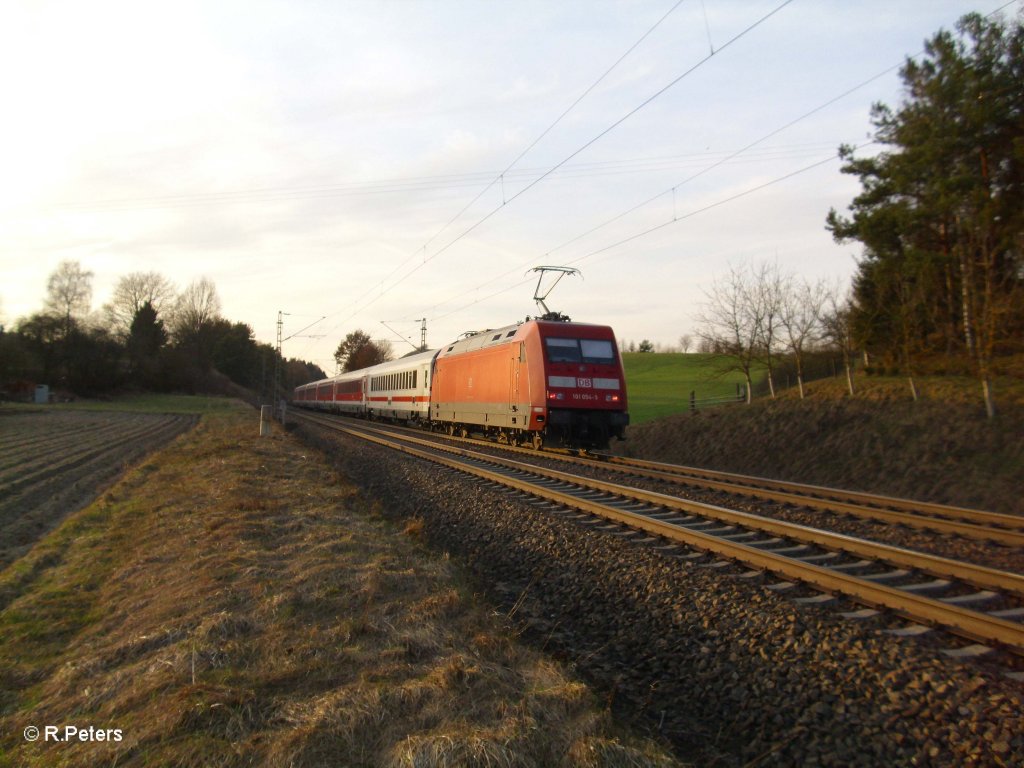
{"points": [[546, 131], [675, 81], [672, 190], [500, 176], [657, 94], [728, 158], [662, 225]]}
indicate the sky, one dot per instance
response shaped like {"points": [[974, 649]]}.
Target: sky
{"points": [[374, 163]]}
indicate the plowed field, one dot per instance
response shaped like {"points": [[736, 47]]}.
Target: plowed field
{"points": [[54, 462]]}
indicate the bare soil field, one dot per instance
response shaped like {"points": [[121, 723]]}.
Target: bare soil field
{"points": [[54, 462]]}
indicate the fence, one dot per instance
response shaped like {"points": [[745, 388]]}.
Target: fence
{"points": [[710, 402], [817, 365]]}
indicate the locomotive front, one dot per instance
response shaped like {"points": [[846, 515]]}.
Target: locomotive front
{"points": [[584, 384]]}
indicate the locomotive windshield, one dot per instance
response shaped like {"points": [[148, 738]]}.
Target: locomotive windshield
{"points": [[580, 350]]}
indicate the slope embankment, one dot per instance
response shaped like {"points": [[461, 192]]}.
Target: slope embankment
{"points": [[930, 450], [230, 602]]}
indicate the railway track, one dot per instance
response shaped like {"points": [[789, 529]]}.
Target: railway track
{"points": [[973, 523], [1006, 530], [1003, 529], [925, 589]]}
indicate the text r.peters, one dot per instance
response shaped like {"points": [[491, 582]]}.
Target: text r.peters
{"points": [[74, 733]]}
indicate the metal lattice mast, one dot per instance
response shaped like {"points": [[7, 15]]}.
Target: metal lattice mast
{"points": [[275, 395]]}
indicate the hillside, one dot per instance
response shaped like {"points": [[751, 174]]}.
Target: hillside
{"points": [[660, 384], [944, 451]]}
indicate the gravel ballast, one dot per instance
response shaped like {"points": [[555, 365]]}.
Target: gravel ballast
{"points": [[731, 673], [970, 550]]}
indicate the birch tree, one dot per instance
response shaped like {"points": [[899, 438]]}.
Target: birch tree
{"points": [[731, 321]]}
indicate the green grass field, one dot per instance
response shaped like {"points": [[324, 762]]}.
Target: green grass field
{"points": [[657, 385], [660, 384]]}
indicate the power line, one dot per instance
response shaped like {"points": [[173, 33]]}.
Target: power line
{"points": [[675, 81], [402, 185], [500, 176], [663, 225], [731, 198], [729, 157], [613, 126]]}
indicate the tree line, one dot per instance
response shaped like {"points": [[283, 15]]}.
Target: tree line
{"points": [[941, 212], [939, 286], [149, 336]]}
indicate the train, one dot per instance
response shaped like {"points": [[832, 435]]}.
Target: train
{"points": [[535, 383]]}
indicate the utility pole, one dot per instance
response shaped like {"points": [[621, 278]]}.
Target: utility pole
{"points": [[405, 339], [275, 395]]}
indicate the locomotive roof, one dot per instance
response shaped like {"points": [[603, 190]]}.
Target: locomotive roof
{"points": [[509, 333], [401, 364], [489, 338]]}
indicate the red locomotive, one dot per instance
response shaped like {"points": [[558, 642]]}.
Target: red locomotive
{"points": [[532, 383]]}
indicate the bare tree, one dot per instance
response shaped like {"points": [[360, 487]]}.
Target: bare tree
{"points": [[131, 293], [801, 310], [837, 326], [69, 292], [196, 307], [771, 287], [685, 342], [731, 321]]}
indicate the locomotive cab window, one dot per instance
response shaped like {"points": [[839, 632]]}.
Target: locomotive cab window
{"points": [[580, 350], [563, 350], [597, 351]]}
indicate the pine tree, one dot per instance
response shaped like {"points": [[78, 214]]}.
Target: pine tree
{"points": [[941, 212]]}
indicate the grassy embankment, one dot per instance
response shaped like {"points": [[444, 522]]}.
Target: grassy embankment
{"points": [[939, 448], [229, 602], [659, 385]]}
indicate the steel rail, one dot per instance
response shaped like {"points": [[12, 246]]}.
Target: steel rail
{"points": [[927, 522], [960, 521], [965, 622], [812, 493], [977, 575]]}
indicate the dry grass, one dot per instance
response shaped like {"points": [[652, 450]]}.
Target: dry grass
{"points": [[228, 603], [942, 451], [955, 390]]}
